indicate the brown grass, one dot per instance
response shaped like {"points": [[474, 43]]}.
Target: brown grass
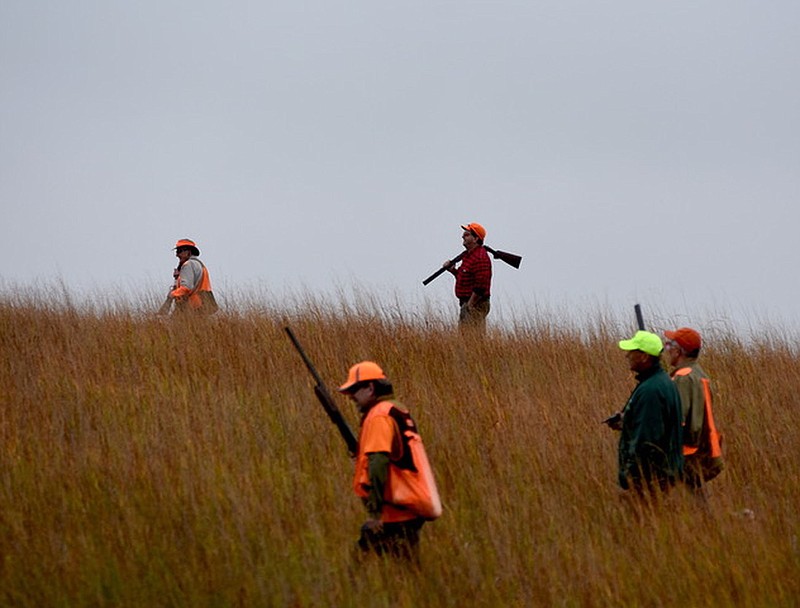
{"points": [[153, 462]]}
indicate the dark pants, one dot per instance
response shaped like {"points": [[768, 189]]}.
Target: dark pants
{"points": [[693, 473], [396, 539], [653, 486], [698, 469]]}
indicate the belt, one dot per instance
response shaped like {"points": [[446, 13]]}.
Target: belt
{"points": [[463, 301]]}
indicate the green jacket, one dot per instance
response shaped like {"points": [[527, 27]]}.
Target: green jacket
{"points": [[650, 447]]}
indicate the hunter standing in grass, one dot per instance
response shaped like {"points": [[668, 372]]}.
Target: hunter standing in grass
{"points": [[650, 457], [701, 442], [192, 289], [392, 473], [473, 278]]}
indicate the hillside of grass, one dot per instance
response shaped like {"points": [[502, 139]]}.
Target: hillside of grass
{"points": [[149, 461]]}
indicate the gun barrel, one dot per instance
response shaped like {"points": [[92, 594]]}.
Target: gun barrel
{"points": [[639, 318], [336, 417], [303, 355], [321, 391], [433, 276], [442, 269]]}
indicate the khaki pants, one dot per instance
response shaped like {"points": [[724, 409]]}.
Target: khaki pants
{"points": [[475, 317]]}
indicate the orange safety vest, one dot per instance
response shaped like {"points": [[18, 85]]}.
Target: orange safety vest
{"points": [[193, 296], [709, 438], [410, 490]]}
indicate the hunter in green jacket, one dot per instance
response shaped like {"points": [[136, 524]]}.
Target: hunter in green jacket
{"points": [[650, 448]]}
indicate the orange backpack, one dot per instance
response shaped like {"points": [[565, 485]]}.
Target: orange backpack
{"points": [[411, 483]]}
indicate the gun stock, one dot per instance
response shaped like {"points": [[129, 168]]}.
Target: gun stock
{"points": [[325, 399], [512, 259]]}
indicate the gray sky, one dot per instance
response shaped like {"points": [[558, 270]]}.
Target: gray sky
{"points": [[630, 151]]}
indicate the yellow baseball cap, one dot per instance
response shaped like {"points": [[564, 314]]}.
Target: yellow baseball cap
{"points": [[644, 341]]}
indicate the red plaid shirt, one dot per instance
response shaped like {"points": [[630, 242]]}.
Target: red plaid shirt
{"points": [[474, 274]]}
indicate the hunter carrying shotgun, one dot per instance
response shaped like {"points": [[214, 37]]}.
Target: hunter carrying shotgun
{"points": [[392, 475], [191, 291], [474, 276]]}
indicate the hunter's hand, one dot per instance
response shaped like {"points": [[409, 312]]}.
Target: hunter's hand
{"points": [[373, 525], [614, 421]]}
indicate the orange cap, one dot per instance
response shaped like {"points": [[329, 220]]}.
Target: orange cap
{"points": [[476, 229], [188, 243], [687, 338], [362, 372]]}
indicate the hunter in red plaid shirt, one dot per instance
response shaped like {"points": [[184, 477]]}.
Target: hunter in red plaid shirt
{"points": [[473, 278]]}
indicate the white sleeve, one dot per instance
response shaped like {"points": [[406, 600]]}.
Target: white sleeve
{"points": [[191, 273]]}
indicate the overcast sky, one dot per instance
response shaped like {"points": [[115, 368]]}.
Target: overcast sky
{"points": [[629, 150]]}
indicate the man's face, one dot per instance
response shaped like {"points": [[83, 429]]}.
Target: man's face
{"points": [[183, 254], [674, 352], [470, 240], [637, 360], [363, 396]]}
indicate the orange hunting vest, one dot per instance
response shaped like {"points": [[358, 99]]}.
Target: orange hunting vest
{"points": [[410, 490], [204, 285], [193, 296], [709, 439]]}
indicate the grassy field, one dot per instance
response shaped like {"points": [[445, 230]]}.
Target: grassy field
{"points": [[163, 462]]}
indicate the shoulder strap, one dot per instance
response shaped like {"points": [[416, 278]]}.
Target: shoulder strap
{"points": [[709, 427], [408, 430]]}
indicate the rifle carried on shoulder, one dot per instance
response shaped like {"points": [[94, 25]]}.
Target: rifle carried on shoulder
{"points": [[511, 259], [321, 391]]}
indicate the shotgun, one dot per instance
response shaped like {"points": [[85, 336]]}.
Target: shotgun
{"points": [[165, 307], [615, 420], [321, 391], [639, 319], [511, 259]]}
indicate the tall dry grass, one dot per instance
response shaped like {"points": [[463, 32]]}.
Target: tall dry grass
{"points": [[185, 462]]}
